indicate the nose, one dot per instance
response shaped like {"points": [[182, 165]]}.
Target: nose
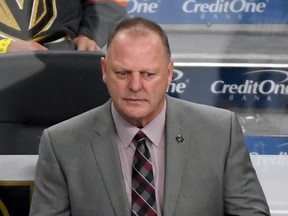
{"points": [[135, 82]]}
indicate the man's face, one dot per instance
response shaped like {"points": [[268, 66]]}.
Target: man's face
{"points": [[137, 73]]}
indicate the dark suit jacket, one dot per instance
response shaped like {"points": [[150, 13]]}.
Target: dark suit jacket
{"points": [[209, 174]]}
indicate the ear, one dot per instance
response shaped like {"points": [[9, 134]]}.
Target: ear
{"points": [[170, 72], [103, 62]]}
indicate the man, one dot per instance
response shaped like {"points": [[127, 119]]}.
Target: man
{"points": [[193, 160], [33, 25]]}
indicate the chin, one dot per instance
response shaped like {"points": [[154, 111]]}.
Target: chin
{"points": [[135, 115]]}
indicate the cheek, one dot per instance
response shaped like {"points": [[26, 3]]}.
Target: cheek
{"points": [[157, 91], [115, 88]]}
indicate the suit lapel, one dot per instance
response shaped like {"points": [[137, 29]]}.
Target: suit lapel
{"points": [[108, 160], [175, 163], [176, 150]]}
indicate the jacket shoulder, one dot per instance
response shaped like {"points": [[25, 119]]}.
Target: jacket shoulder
{"points": [[186, 108], [83, 122]]}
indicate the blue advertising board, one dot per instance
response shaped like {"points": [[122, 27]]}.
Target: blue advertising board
{"points": [[232, 87], [267, 145], [211, 11]]}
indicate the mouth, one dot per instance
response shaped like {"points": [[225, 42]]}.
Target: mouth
{"points": [[134, 100]]}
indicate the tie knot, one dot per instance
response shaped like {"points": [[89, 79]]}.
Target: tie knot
{"points": [[139, 136]]}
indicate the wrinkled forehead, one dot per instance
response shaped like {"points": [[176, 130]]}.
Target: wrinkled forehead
{"points": [[138, 35]]}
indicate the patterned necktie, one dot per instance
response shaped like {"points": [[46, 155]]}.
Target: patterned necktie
{"points": [[143, 191]]}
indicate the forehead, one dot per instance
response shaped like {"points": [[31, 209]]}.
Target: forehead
{"points": [[130, 52], [136, 38], [142, 46]]}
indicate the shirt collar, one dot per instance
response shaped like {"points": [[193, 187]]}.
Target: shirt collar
{"points": [[126, 131]]}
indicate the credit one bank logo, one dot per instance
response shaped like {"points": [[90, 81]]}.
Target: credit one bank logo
{"points": [[224, 9], [266, 84], [178, 84], [143, 6], [225, 6]]}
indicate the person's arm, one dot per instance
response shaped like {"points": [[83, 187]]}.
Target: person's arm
{"points": [[22, 46], [10, 45], [50, 194], [99, 19], [243, 194]]}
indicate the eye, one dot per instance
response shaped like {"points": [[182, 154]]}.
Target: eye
{"points": [[148, 75], [121, 74]]}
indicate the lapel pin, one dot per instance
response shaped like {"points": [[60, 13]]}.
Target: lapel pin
{"points": [[180, 139]]}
